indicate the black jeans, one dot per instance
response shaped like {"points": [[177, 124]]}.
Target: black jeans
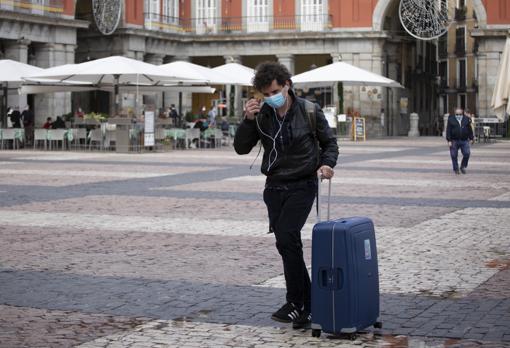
{"points": [[288, 208]]}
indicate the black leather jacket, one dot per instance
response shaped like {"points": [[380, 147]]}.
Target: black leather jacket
{"points": [[300, 157]]}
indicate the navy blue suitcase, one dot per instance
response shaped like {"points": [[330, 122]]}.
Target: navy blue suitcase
{"points": [[345, 278]]}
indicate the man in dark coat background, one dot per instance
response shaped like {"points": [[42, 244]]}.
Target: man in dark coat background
{"points": [[459, 134]]}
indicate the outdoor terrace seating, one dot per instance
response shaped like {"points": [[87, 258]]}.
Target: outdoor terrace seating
{"points": [[16, 135], [41, 135], [57, 136], [95, 138]]}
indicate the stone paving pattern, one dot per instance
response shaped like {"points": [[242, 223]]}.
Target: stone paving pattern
{"points": [[171, 249]]}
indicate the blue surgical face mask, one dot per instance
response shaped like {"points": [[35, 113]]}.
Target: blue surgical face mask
{"points": [[276, 101]]}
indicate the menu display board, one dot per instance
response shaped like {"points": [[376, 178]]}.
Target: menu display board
{"points": [[359, 132], [149, 128]]}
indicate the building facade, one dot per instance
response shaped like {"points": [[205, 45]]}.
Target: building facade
{"points": [[467, 71], [41, 33], [301, 34]]}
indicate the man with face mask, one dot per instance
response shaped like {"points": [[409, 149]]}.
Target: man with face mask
{"points": [[296, 148], [458, 134]]}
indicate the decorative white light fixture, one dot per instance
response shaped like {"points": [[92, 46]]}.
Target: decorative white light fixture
{"points": [[425, 19]]}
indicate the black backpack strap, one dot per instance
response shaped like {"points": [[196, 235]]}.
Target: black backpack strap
{"points": [[312, 123], [311, 117]]}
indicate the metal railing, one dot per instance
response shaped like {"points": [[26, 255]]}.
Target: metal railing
{"points": [[247, 24], [39, 7], [155, 21]]}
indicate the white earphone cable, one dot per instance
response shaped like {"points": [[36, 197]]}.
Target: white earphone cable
{"points": [[273, 139]]}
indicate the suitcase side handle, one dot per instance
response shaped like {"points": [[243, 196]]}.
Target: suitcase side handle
{"points": [[331, 278], [319, 181]]}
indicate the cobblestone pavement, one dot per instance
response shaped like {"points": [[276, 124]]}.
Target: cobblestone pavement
{"points": [[171, 249]]}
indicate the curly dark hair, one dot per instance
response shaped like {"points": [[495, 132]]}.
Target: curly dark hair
{"points": [[266, 72]]}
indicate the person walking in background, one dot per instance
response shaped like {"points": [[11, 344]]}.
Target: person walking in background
{"points": [[471, 116], [174, 115], [16, 118], [458, 134], [9, 113], [295, 148], [28, 123], [212, 116]]}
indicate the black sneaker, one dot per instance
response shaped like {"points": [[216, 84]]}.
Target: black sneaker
{"points": [[303, 322], [288, 313], [463, 170], [457, 172]]}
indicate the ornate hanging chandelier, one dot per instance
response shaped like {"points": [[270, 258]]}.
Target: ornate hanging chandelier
{"points": [[425, 19]]}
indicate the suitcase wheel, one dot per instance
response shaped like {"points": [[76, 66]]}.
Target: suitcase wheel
{"points": [[316, 332], [351, 336], [378, 325]]}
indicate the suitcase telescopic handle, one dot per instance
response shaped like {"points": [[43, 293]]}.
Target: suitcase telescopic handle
{"points": [[319, 179]]}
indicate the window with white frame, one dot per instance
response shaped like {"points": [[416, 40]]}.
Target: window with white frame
{"points": [[152, 9], [257, 15], [38, 6], [313, 15], [205, 16], [7, 5], [171, 12]]}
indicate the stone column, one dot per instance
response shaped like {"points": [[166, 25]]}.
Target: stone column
{"points": [[489, 67], [288, 61], [238, 102], [18, 51], [393, 95], [139, 55], [130, 54], [54, 104], [133, 54], [70, 53], [69, 59], [156, 59], [445, 123], [334, 92], [355, 92], [413, 129], [376, 103], [489, 55]]}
